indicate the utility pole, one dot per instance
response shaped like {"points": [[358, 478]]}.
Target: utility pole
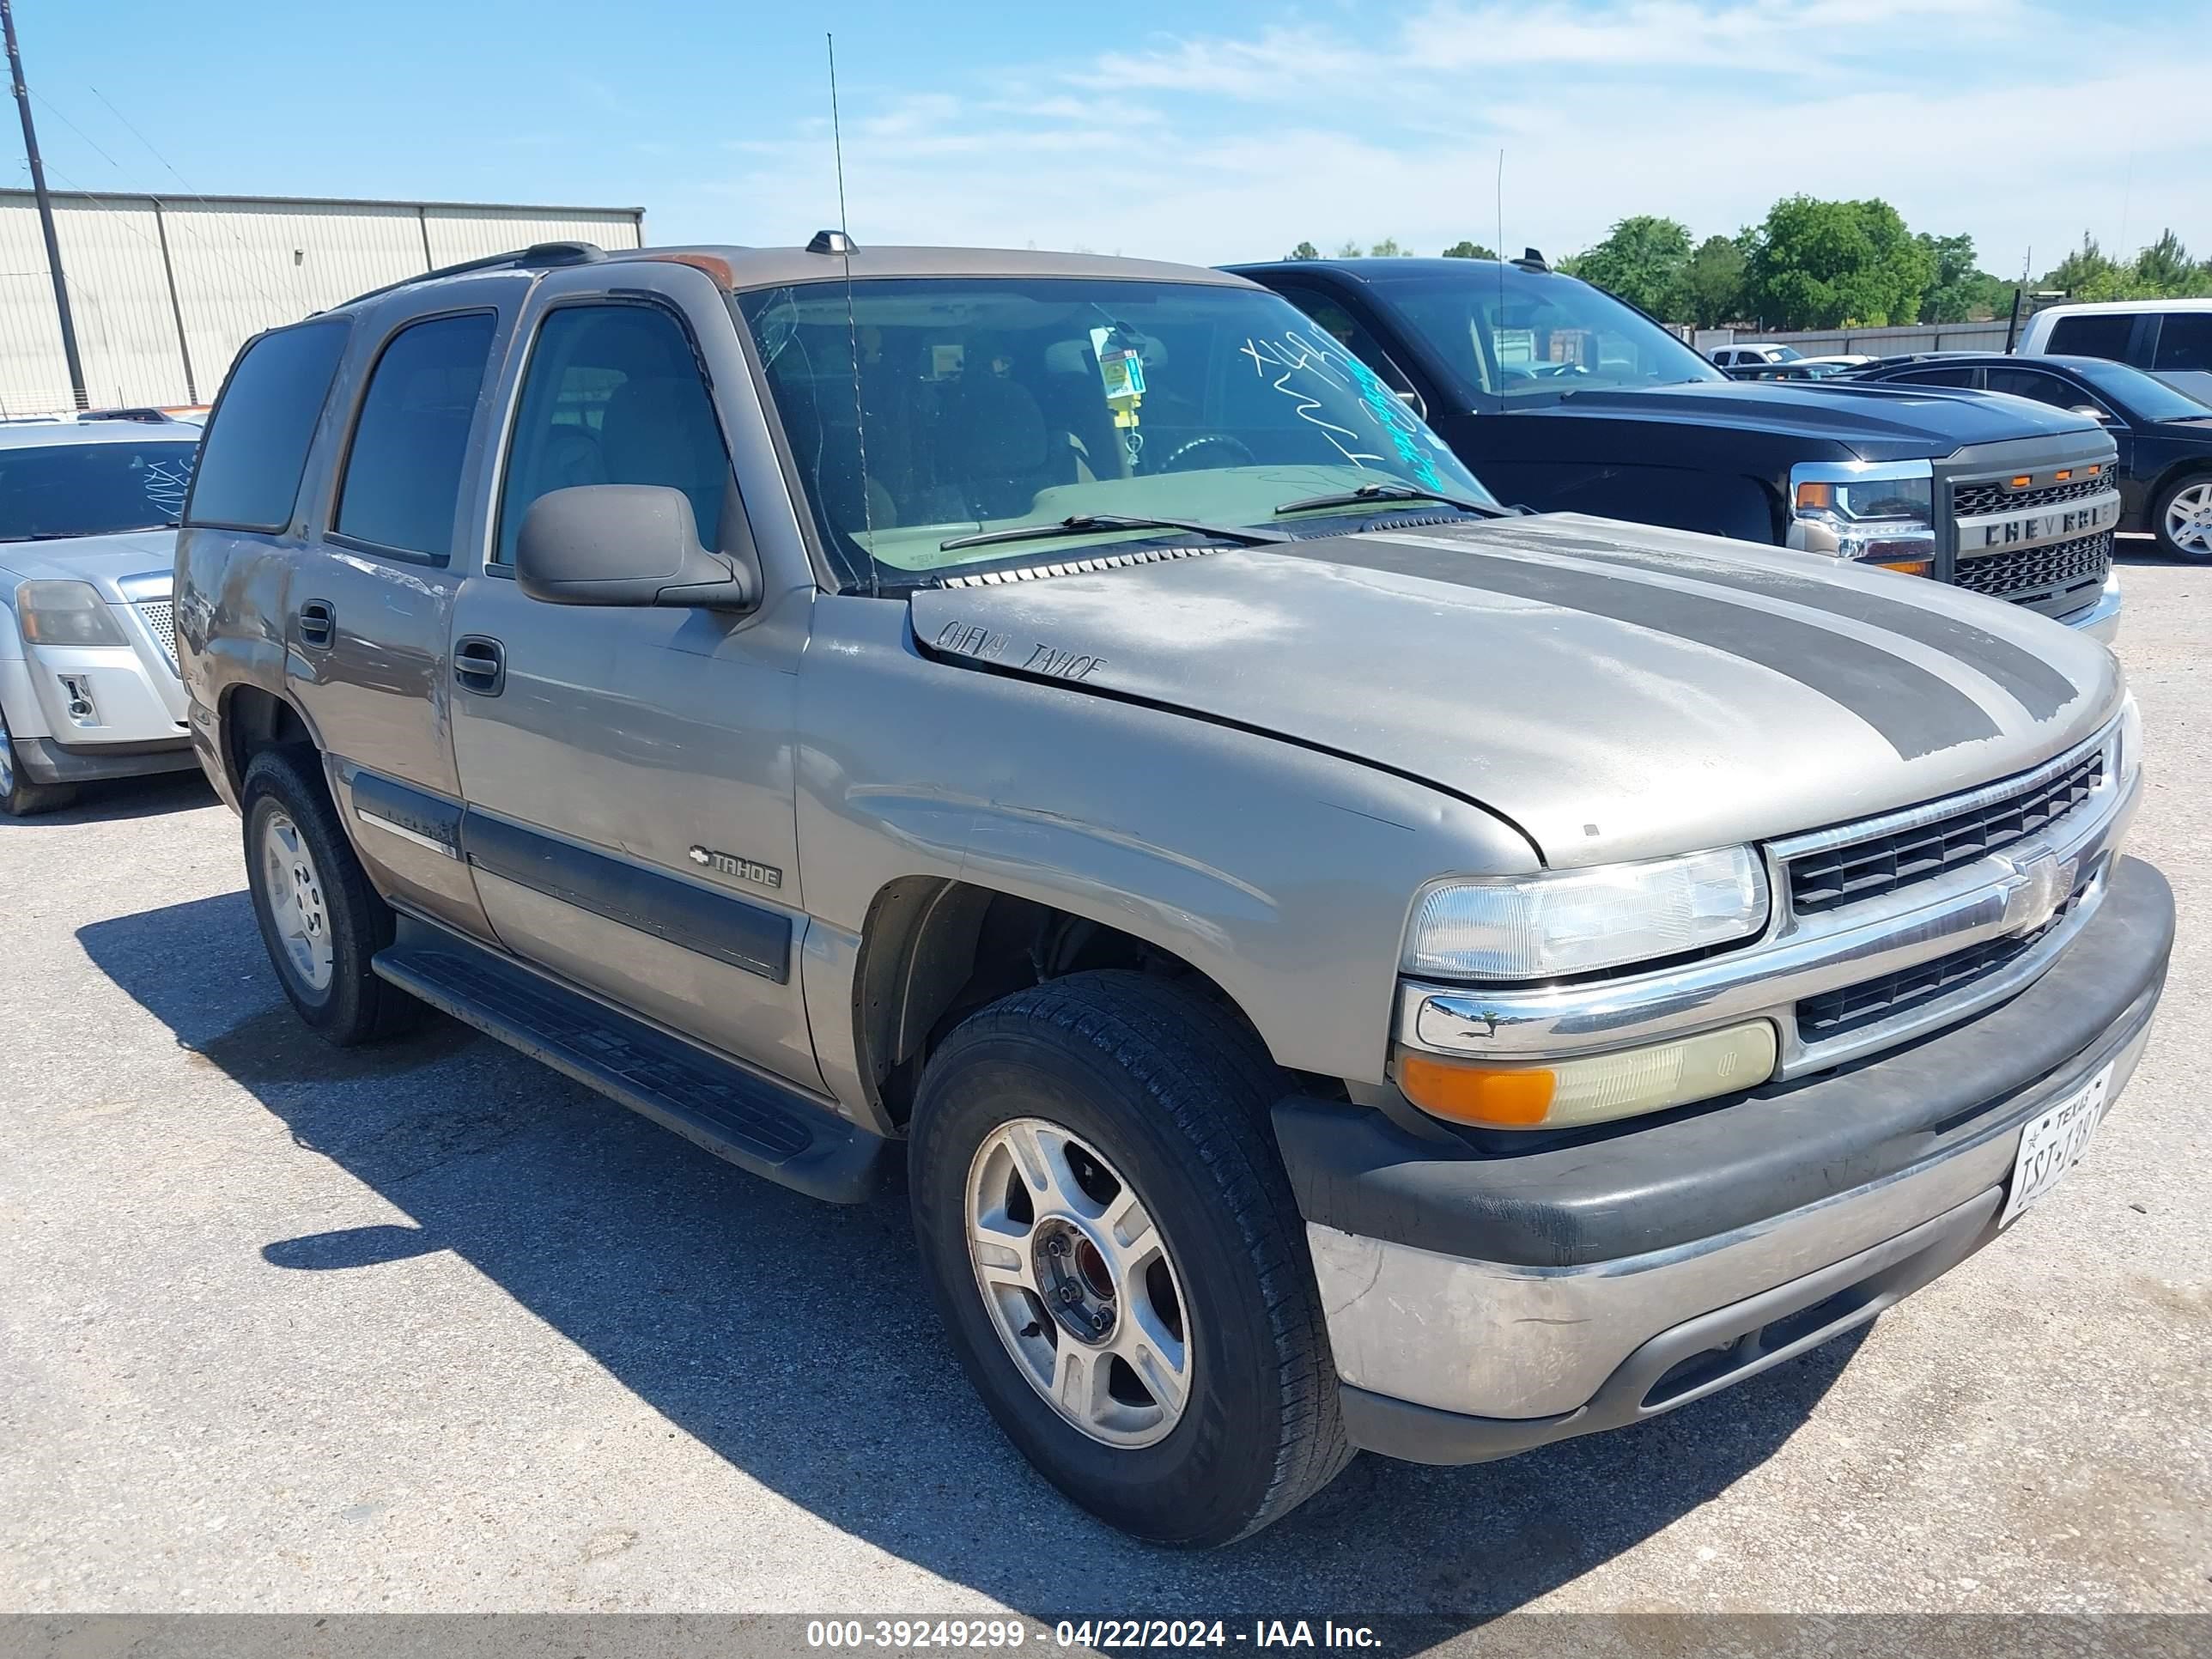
{"points": [[45, 210]]}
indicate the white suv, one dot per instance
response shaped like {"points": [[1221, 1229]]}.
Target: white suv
{"points": [[2170, 338], [89, 685]]}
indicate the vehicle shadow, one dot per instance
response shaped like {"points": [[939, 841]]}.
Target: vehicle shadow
{"points": [[117, 800], [795, 1340]]}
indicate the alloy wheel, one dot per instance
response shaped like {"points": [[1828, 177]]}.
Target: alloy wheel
{"points": [[294, 889], [2189, 520], [1078, 1283]]}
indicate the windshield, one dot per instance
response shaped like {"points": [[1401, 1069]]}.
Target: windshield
{"points": [[986, 403], [49, 491], [1500, 333], [2144, 396]]}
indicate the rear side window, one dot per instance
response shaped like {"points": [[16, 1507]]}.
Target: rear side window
{"points": [[403, 476], [257, 444], [2034, 384], [2093, 336], [2185, 341], [1958, 377]]}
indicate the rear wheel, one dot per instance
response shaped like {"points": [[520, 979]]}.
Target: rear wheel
{"points": [[1115, 1249], [320, 920], [20, 796], [2183, 518]]}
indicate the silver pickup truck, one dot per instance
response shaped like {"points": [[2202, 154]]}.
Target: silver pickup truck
{"points": [[1340, 962]]}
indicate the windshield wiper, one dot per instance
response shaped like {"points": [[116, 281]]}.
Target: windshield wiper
{"points": [[1368, 493], [1083, 521]]}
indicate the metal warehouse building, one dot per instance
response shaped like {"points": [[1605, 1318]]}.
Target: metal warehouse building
{"points": [[164, 289]]}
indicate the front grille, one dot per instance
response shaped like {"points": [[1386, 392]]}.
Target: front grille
{"points": [[161, 618], [1837, 1013], [1869, 869], [1971, 501], [2030, 573]]}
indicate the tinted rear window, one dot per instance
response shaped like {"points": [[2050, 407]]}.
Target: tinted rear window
{"points": [[2185, 341], [2093, 336], [403, 478], [257, 445]]}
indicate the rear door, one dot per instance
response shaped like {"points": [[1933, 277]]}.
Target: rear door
{"points": [[629, 772], [371, 596]]}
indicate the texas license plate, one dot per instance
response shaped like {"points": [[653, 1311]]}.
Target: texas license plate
{"points": [[2053, 1142]]}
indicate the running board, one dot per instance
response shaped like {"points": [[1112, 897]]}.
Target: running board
{"points": [[753, 1123]]}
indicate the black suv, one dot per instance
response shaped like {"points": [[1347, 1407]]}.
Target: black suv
{"points": [[1564, 398]]}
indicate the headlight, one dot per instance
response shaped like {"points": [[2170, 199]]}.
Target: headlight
{"points": [[65, 613], [1873, 515], [1575, 920]]}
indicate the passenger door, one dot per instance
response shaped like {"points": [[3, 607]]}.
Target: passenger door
{"points": [[629, 772]]}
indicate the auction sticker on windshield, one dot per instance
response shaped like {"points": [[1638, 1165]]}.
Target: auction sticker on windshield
{"points": [[2053, 1143]]}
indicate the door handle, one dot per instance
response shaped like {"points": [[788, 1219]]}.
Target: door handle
{"points": [[480, 664], [318, 624]]}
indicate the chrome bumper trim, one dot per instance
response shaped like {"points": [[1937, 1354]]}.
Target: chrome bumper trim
{"points": [[1802, 957], [2101, 620], [1488, 1339]]}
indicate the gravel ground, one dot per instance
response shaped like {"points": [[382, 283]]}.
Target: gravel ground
{"points": [[430, 1329]]}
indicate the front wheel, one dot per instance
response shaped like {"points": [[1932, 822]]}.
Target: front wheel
{"points": [[2183, 518], [1114, 1248], [20, 796]]}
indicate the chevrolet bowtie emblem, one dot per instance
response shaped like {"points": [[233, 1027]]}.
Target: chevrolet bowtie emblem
{"points": [[2040, 883]]}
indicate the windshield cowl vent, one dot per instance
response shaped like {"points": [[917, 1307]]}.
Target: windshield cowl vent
{"points": [[1031, 573]]}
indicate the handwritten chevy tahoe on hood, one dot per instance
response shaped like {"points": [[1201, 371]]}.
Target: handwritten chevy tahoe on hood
{"points": [[1341, 963]]}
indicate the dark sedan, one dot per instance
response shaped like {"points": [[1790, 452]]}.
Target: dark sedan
{"points": [[2164, 436]]}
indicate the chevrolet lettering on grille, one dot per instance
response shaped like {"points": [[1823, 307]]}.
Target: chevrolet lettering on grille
{"points": [[2033, 527]]}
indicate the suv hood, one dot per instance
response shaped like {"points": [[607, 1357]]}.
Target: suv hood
{"points": [[1615, 692], [103, 560], [1876, 422]]}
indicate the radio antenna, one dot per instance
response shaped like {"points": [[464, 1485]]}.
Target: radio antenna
{"points": [[1497, 328], [851, 326]]}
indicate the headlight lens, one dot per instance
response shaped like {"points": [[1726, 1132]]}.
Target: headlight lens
{"points": [[1575, 920], [65, 613], [1872, 516]]}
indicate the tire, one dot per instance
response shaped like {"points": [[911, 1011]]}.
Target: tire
{"points": [[2181, 517], [1160, 1095], [320, 920], [20, 796]]}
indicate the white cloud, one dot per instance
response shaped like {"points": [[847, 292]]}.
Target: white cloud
{"points": [[1215, 149]]}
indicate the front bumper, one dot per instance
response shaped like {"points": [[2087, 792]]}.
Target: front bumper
{"points": [[2100, 621], [1482, 1299]]}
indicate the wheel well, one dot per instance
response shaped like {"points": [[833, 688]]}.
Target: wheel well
{"points": [[936, 950], [254, 720], [2181, 471]]}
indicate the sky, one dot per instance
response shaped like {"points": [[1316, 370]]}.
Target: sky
{"points": [[1207, 130]]}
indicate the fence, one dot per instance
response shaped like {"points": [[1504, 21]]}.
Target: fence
{"points": [[1871, 342]]}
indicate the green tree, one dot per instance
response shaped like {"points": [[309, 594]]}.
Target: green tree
{"points": [[1387, 248], [2165, 265], [1960, 291], [1304, 251], [1351, 250], [1469, 250], [2086, 273], [1826, 265], [1642, 260], [1711, 290]]}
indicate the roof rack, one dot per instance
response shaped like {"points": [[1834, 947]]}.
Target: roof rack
{"points": [[538, 256]]}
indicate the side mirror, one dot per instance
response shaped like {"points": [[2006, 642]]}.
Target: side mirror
{"points": [[627, 545], [1414, 401], [2089, 411]]}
